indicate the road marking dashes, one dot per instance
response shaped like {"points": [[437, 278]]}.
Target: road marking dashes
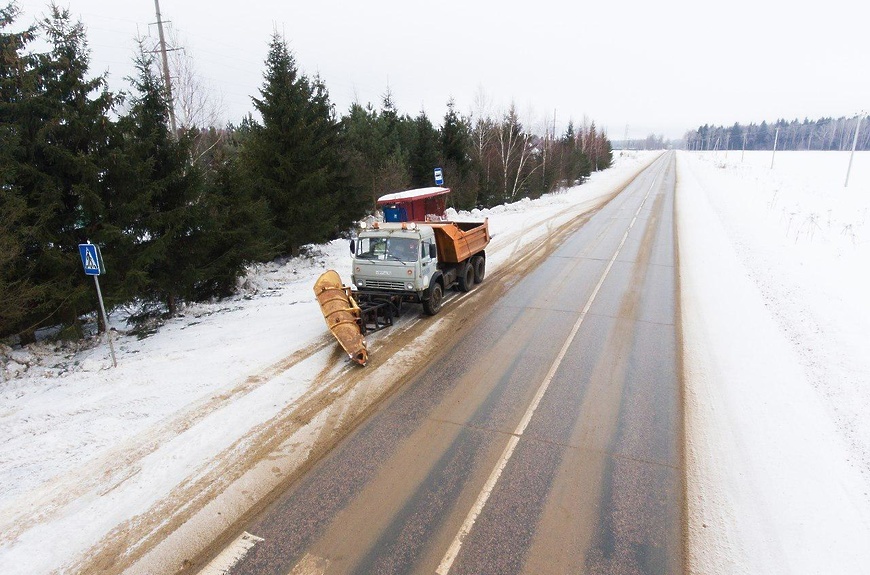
{"points": [[474, 512], [231, 555]]}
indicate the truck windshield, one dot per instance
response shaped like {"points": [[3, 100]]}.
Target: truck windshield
{"points": [[402, 249]]}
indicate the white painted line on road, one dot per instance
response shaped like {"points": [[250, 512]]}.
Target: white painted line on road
{"points": [[311, 565], [456, 545], [233, 553]]}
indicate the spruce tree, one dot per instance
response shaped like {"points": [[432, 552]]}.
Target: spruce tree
{"points": [[576, 165], [334, 179], [235, 229], [389, 123], [425, 153], [16, 80], [293, 159], [456, 141], [397, 133], [365, 150], [455, 148], [166, 217], [61, 133]]}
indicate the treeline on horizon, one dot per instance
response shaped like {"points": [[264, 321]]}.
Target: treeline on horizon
{"points": [[179, 216], [821, 134]]}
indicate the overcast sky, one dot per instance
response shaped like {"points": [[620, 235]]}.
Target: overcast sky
{"points": [[653, 67]]}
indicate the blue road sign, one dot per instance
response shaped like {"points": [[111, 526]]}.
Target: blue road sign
{"points": [[91, 259], [439, 177]]}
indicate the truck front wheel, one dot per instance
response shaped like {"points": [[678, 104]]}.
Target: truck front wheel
{"points": [[433, 305]]}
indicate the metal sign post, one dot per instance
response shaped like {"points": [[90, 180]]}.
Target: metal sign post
{"points": [[92, 261]]}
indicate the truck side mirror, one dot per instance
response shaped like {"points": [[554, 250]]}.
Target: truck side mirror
{"points": [[352, 247], [433, 251]]}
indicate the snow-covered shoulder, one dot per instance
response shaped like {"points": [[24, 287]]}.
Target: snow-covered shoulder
{"points": [[775, 314]]}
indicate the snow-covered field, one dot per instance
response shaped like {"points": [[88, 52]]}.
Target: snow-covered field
{"points": [[775, 277], [85, 447], [775, 272]]}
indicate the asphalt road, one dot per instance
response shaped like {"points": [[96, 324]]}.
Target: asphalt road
{"points": [[547, 440]]}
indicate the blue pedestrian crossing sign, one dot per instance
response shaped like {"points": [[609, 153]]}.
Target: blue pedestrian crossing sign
{"points": [[92, 260], [439, 177]]}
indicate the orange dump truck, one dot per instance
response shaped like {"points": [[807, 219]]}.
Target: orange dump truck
{"points": [[418, 262]]}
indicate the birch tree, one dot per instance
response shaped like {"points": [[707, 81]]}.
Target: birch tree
{"points": [[515, 152]]}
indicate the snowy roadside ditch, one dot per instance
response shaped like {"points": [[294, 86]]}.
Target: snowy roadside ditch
{"points": [[91, 454]]}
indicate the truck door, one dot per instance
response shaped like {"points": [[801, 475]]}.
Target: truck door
{"points": [[427, 262]]}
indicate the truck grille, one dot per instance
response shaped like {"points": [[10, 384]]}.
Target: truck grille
{"points": [[384, 284]]}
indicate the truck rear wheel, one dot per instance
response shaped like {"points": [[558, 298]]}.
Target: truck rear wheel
{"points": [[433, 305], [479, 265], [466, 278]]}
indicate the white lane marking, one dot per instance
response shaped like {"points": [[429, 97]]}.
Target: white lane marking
{"points": [[233, 553], [456, 545], [311, 565]]}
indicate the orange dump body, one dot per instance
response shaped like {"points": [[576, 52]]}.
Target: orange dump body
{"points": [[458, 241]]}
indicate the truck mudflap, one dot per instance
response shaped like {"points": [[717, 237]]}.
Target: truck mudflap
{"points": [[342, 315]]}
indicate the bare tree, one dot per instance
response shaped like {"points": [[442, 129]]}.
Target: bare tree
{"points": [[393, 176], [198, 106], [482, 132]]}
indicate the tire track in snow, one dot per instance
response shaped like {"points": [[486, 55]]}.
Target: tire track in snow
{"points": [[112, 469]]}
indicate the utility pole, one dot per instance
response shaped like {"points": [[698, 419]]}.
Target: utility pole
{"points": [[546, 145], [854, 145], [554, 124], [743, 152], [166, 79], [775, 140]]}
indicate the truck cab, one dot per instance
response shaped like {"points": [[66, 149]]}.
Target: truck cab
{"points": [[398, 259], [413, 262]]}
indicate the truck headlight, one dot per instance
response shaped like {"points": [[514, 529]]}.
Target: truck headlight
{"points": [[361, 283], [409, 286]]}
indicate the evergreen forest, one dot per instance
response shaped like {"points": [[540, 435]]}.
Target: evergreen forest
{"points": [[179, 214]]}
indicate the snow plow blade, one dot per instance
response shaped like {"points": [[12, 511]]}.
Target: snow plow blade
{"points": [[341, 314]]}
